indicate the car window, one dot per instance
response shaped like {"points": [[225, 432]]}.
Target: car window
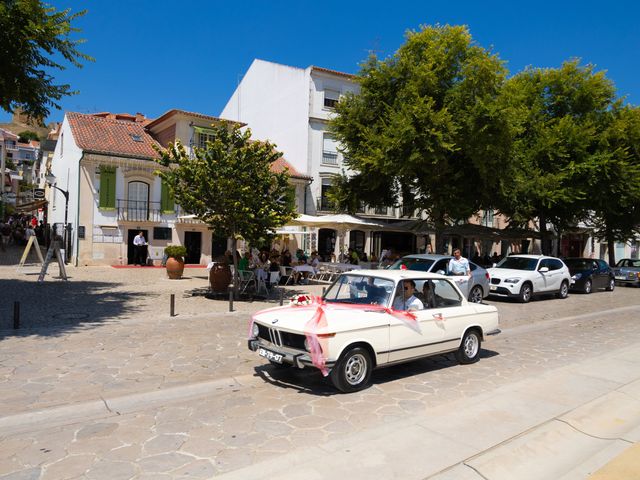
{"points": [[419, 264], [445, 294], [555, 264], [442, 264], [603, 265], [360, 289], [473, 266], [634, 263], [518, 263], [577, 263]]}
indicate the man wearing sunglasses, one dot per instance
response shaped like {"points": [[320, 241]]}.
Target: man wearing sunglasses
{"points": [[406, 300]]}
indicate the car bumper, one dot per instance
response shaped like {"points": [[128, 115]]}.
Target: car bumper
{"points": [[625, 281], [289, 356], [505, 290]]}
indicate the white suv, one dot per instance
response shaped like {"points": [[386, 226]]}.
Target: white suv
{"points": [[522, 276]]}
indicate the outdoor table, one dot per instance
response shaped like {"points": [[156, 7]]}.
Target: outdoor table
{"points": [[342, 267], [304, 268]]}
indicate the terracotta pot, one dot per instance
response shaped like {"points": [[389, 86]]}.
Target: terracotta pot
{"points": [[175, 267], [219, 277]]}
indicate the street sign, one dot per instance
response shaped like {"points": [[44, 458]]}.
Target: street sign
{"points": [[38, 193]]}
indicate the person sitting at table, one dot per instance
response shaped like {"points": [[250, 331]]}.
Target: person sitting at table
{"points": [[262, 267], [243, 263], [301, 257], [285, 258], [352, 257], [274, 259]]}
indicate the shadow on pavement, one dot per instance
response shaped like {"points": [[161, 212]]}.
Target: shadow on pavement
{"points": [[54, 308], [310, 380]]}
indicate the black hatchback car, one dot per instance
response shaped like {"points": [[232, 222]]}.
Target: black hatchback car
{"points": [[589, 274]]}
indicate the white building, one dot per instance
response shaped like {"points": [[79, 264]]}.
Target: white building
{"points": [[105, 163], [291, 107]]}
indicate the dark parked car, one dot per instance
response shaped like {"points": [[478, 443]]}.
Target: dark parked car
{"points": [[589, 274], [627, 272]]}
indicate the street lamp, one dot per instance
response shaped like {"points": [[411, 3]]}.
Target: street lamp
{"points": [[51, 181]]}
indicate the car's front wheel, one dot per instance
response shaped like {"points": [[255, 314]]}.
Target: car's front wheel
{"points": [[611, 285], [525, 293], [469, 351], [353, 370], [587, 287], [475, 295], [564, 290]]}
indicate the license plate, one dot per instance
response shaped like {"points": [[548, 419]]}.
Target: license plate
{"points": [[269, 355], [493, 287], [620, 277]]}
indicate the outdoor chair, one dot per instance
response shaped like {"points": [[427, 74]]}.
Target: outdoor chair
{"points": [[246, 279], [286, 273]]}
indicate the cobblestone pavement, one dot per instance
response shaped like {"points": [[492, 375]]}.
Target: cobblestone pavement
{"points": [[127, 345]]}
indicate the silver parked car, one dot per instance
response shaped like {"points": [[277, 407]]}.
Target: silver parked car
{"points": [[627, 272], [475, 290]]}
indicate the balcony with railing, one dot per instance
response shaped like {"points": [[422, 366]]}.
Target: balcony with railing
{"points": [[329, 158], [143, 211]]}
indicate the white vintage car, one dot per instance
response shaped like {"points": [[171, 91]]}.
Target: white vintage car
{"points": [[373, 318]]}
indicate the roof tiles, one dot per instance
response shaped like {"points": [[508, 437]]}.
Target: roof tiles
{"points": [[112, 137]]}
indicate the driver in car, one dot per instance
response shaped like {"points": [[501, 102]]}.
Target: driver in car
{"points": [[406, 300]]}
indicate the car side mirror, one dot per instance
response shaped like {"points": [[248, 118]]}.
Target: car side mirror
{"points": [[543, 269], [494, 265]]}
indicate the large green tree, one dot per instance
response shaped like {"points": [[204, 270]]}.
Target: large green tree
{"points": [[426, 129], [229, 184], [33, 37], [613, 196], [558, 117]]}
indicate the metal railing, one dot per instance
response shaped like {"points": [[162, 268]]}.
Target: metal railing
{"points": [[329, 158], [139, 211]]}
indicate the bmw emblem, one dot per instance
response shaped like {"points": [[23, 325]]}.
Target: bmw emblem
{"points": [[273, 322]]}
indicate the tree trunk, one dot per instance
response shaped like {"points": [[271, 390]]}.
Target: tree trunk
{"points": [[544, 235], [611, 247]]}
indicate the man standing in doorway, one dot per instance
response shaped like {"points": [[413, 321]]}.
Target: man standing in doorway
{"points": [[139, 250]]}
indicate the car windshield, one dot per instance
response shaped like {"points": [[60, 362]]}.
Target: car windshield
{"points": [[360, 289], [628, 262], [579, 264], [518, 263], [419, 264]]}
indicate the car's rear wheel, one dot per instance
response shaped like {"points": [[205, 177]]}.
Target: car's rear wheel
{"points": [[564, 290], [469, 351], [353, 370], [611, 285], [476, 294], [525, 293], [587, 287]]}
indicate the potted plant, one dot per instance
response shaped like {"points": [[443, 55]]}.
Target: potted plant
{"points": [[175, 260]]}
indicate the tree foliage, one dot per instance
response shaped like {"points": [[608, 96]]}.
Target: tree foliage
{"points": [[27, 135], [229, 184], [613, 200], [426, 128], [32, 35], [558, 117]]}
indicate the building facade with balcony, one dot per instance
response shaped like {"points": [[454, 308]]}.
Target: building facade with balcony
{"points": [[106, 163]]}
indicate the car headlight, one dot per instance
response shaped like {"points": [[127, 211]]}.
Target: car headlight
{"points": [[511, 280], [255, 330], [306, 345], [577, 276]]}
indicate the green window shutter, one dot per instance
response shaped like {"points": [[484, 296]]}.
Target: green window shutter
{"points": [[107, 187], [166, 199]]}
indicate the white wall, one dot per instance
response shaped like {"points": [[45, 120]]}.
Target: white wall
{"points": [[65, 166], [273, 100]]}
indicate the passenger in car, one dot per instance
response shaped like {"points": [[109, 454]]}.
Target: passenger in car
{"points": [[428, 295], [405, 299]]}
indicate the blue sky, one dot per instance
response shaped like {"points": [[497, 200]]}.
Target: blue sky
{"points": [[155, 55]]}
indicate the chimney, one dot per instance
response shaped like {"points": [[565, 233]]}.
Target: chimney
{"points": [[140, 118]]}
